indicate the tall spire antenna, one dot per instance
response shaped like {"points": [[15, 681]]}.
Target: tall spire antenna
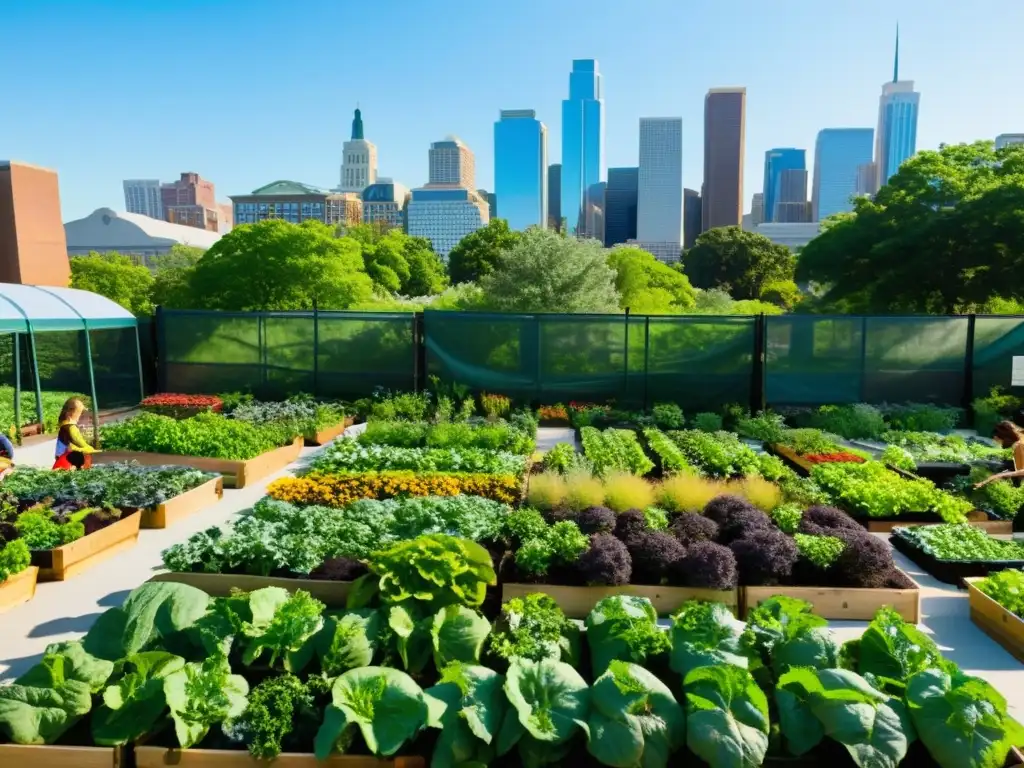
{"points": [[896, 61]]}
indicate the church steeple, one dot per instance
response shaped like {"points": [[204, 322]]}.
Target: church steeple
{"points": [[357, 125]]}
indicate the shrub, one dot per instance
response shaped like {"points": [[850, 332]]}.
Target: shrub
{"points": [[866, 560], [925, 417], [596, 520], [606, 563], [630, 525], [705, 565], [545, 491], [181, 406], [707, 422], [624, 491], [339, 490], [761, 493], [742, 523], [668, 416], [765, 559], [722, 507], [583, 490], [857, 421], [819, 519], [686, 493], [690, 528], [653, 554]]}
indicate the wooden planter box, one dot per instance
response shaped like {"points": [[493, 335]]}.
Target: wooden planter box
{"points": [[950, 571], [79, 556], [158, 757], [838, 604], [17, 756], [183, 505], [577, 602], [327, 434], [1001, 625], [333, 594], [977, 518], [237, 474], [19, 588]]}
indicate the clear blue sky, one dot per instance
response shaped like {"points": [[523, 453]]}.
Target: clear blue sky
{"points": [[250, 91]]}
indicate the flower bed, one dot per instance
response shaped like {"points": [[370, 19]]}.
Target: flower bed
{"points": [[952, 553], [337, 490], [181, 406], [409, 670], [997, 606], [614, 450], [348, 455]]}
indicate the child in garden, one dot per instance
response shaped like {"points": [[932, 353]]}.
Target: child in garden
{"points": [[6, 454], [73, 452]]}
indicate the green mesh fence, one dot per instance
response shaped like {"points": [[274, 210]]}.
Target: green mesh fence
{"points": [[277, 354], [811, 360], [700, 362], [997, 340]]}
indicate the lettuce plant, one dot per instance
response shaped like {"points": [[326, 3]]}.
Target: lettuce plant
{"points": [[201, 695], [136, 701], [726, 716], [534, 627], [782, 633], [476, 708], [1006, 588], [623, 627], [703, 634]]}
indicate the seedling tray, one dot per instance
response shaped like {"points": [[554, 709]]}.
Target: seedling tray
{"points": [[950, 571]]}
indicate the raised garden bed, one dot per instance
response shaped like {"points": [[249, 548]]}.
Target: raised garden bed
{"points": [[333, 594], [55, 756], [158, 757], [183, 505], [978, 518], [237, 474], [325, 435], [949, 571], [843, 604], [70, 560], [18, 588], [1002, 625], [800, 463], [577, 602]]}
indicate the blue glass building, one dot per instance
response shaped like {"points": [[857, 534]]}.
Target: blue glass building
{"points": [[897, 123], [521, 169], [775, 162], [582, 148], [620, 205], [839, 153]]}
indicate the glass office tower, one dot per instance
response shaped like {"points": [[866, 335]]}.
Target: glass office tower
{"points": [[775, 162], [521, 169], [839, 155], [582, 148]]}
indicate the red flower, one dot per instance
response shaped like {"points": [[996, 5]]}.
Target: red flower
{"points": [[173, 404], [827, 458]]}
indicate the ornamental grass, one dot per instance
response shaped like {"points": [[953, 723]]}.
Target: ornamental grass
{"points": [[337, 490]]}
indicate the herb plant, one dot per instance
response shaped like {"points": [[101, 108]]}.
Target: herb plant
{"points": [[1006, 588], [614, 450]]}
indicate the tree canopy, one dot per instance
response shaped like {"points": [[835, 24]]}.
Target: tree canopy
{"points": [[478, 253], [402, 264], [742, 263], [543, 272], [946, 234], [275, 265], [648, 286], [117, 277]]}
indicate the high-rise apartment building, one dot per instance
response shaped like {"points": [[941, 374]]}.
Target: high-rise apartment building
{"points": [[555, 196], [724, 137], [358, 161], [775, 162], [659, 212], [143, 196], [839, 154], [582, 149], [452, 162], [896, 139], [620, 206], [33, 247], [1006, 139], [791, 205], [521, 169], [691, 216], [192, 201]]}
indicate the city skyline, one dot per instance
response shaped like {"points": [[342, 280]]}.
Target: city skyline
{"points": [[410, 98]]}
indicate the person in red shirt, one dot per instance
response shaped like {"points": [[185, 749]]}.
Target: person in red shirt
{"points": [[73, 452]]}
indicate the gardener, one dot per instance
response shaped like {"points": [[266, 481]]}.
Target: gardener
{"points": [[73, 452], [1008, 435], [6, 454]]}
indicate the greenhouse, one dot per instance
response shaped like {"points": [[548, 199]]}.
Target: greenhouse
{"points": [[59, 342]]}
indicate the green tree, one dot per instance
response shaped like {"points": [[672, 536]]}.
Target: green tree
{"points": [[477, 253], [115, 276], [274, 265], [544, 272], [401, 264], [782, 293], [172, 276], [427, 276], [648, 286], [946, 234], [742, 263]]}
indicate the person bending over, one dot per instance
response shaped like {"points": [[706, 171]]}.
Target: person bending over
{"points": [[73, 452], [1008, 435]]}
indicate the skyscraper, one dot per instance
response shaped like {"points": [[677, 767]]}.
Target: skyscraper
{"points": [[757, 208], [791, 197], [452, 162], [143, 196], [659, 212], [521, 169], [555, 196], [359, 160], [582, 147], [775, 162], [724, 135], [691, 216], [620, 206], [839, 154], [896, 139]]}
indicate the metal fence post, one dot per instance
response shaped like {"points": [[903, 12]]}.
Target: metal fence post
{"points": [[316, 349], [968, 401], [863, 358], [757, 394], [17, 390], [625, 361], [647, 359], [92, 387], [419, 351]]}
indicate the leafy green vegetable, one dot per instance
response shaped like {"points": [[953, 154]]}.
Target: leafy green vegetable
{"points": [[705, 633], [208, 434], [135, 703], [726, 717], [386, 705], [962, 720], [623, 627], [783, 633], [534, 627], [458, 634], [476, 707], [271, 713], [822, 551], [671, 456], [1006, 588], [350, 640], [349, 455], [960, 542], [788, 517], [15, 557], [634, 718], [282, 623], [558, 544], [614, 450], [718, 454], [203, 695]]}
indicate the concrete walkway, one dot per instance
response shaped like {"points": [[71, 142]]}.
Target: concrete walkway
{"points": [[66, 610]]}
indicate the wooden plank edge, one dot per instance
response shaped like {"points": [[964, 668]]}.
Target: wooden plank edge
{"points": [[18, 588], [1007, 629], [183, 505], [158, 757], [576, 601], [907, 602], [103, 544], [334, 594]]}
